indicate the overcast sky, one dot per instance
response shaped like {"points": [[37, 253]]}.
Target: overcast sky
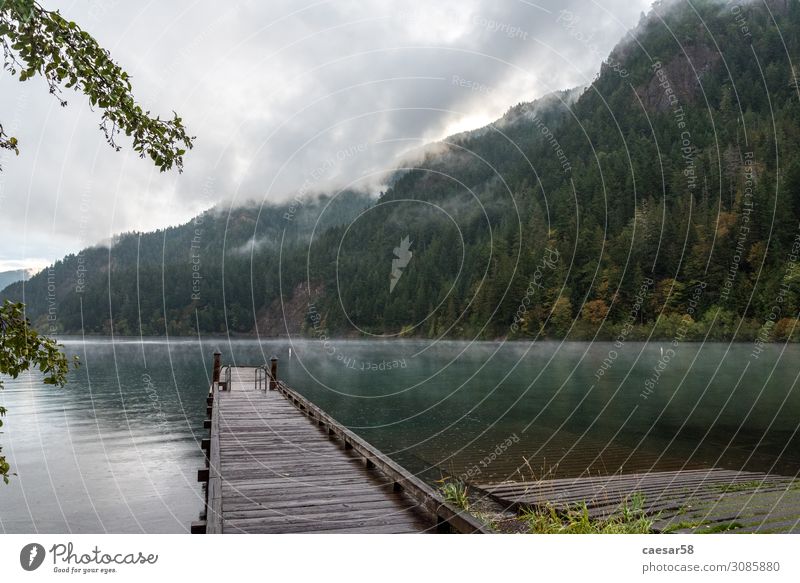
{"points": [[277, 91]]}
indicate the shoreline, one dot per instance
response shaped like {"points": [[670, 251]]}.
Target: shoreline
{"points": [[79, 338]]}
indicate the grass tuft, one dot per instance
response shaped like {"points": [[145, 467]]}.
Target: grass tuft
{"points": [[455, 492], [631, 519]]}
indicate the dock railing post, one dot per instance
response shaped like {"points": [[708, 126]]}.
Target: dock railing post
{"points": [[273, 373], [217, 366]]}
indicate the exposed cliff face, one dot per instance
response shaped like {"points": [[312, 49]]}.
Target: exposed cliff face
{"points": [[680, 79], [698, 51], [288, 315]]}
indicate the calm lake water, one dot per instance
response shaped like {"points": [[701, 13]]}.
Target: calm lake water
{"points": [[117, 450]]}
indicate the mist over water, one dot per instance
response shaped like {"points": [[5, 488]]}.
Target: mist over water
{"points": [[118, 450]]}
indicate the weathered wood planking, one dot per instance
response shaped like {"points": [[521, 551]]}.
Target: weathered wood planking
{"points": [[277, 464], [447, 517], [214, 486], [687, 499]]}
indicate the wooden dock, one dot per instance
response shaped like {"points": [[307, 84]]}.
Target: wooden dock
{"points": [[278, 464], [711, 500]]}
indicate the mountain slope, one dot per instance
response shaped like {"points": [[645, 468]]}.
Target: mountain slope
{"points": [[172, 279], [669, 191], [13, 276], [664, 199]]}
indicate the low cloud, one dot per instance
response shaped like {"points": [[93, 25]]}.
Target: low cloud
{"points": [[273, 91]]}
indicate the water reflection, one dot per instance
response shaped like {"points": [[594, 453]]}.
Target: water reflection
{"points": [[117, 450]]}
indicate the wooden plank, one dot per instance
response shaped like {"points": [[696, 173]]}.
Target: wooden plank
{"points": [[214, 503], [340, 512], [310, 500], [262, 525], [428, 498]]}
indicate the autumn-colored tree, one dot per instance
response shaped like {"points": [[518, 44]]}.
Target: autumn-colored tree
{"points": [[786, 329], [561, 316], [595, 312]]}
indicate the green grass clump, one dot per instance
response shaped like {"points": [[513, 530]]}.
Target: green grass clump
{"points": [[631, 519], [455, 493]]}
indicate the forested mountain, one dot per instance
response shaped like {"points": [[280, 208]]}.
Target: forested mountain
{"points": [[172, 280], [12, 276], [663, 200]]}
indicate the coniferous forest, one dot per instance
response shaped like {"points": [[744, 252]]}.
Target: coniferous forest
{"points": [[661, 201]]}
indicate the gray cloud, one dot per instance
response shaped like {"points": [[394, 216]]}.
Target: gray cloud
{"points": [[281, 96]]}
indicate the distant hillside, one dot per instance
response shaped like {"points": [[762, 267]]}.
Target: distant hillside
{"points": [[172, 279], [664, 199], [15, 275]]}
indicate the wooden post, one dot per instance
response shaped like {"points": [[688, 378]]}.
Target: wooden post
{"points": [[273, 373], [217, 366]]}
